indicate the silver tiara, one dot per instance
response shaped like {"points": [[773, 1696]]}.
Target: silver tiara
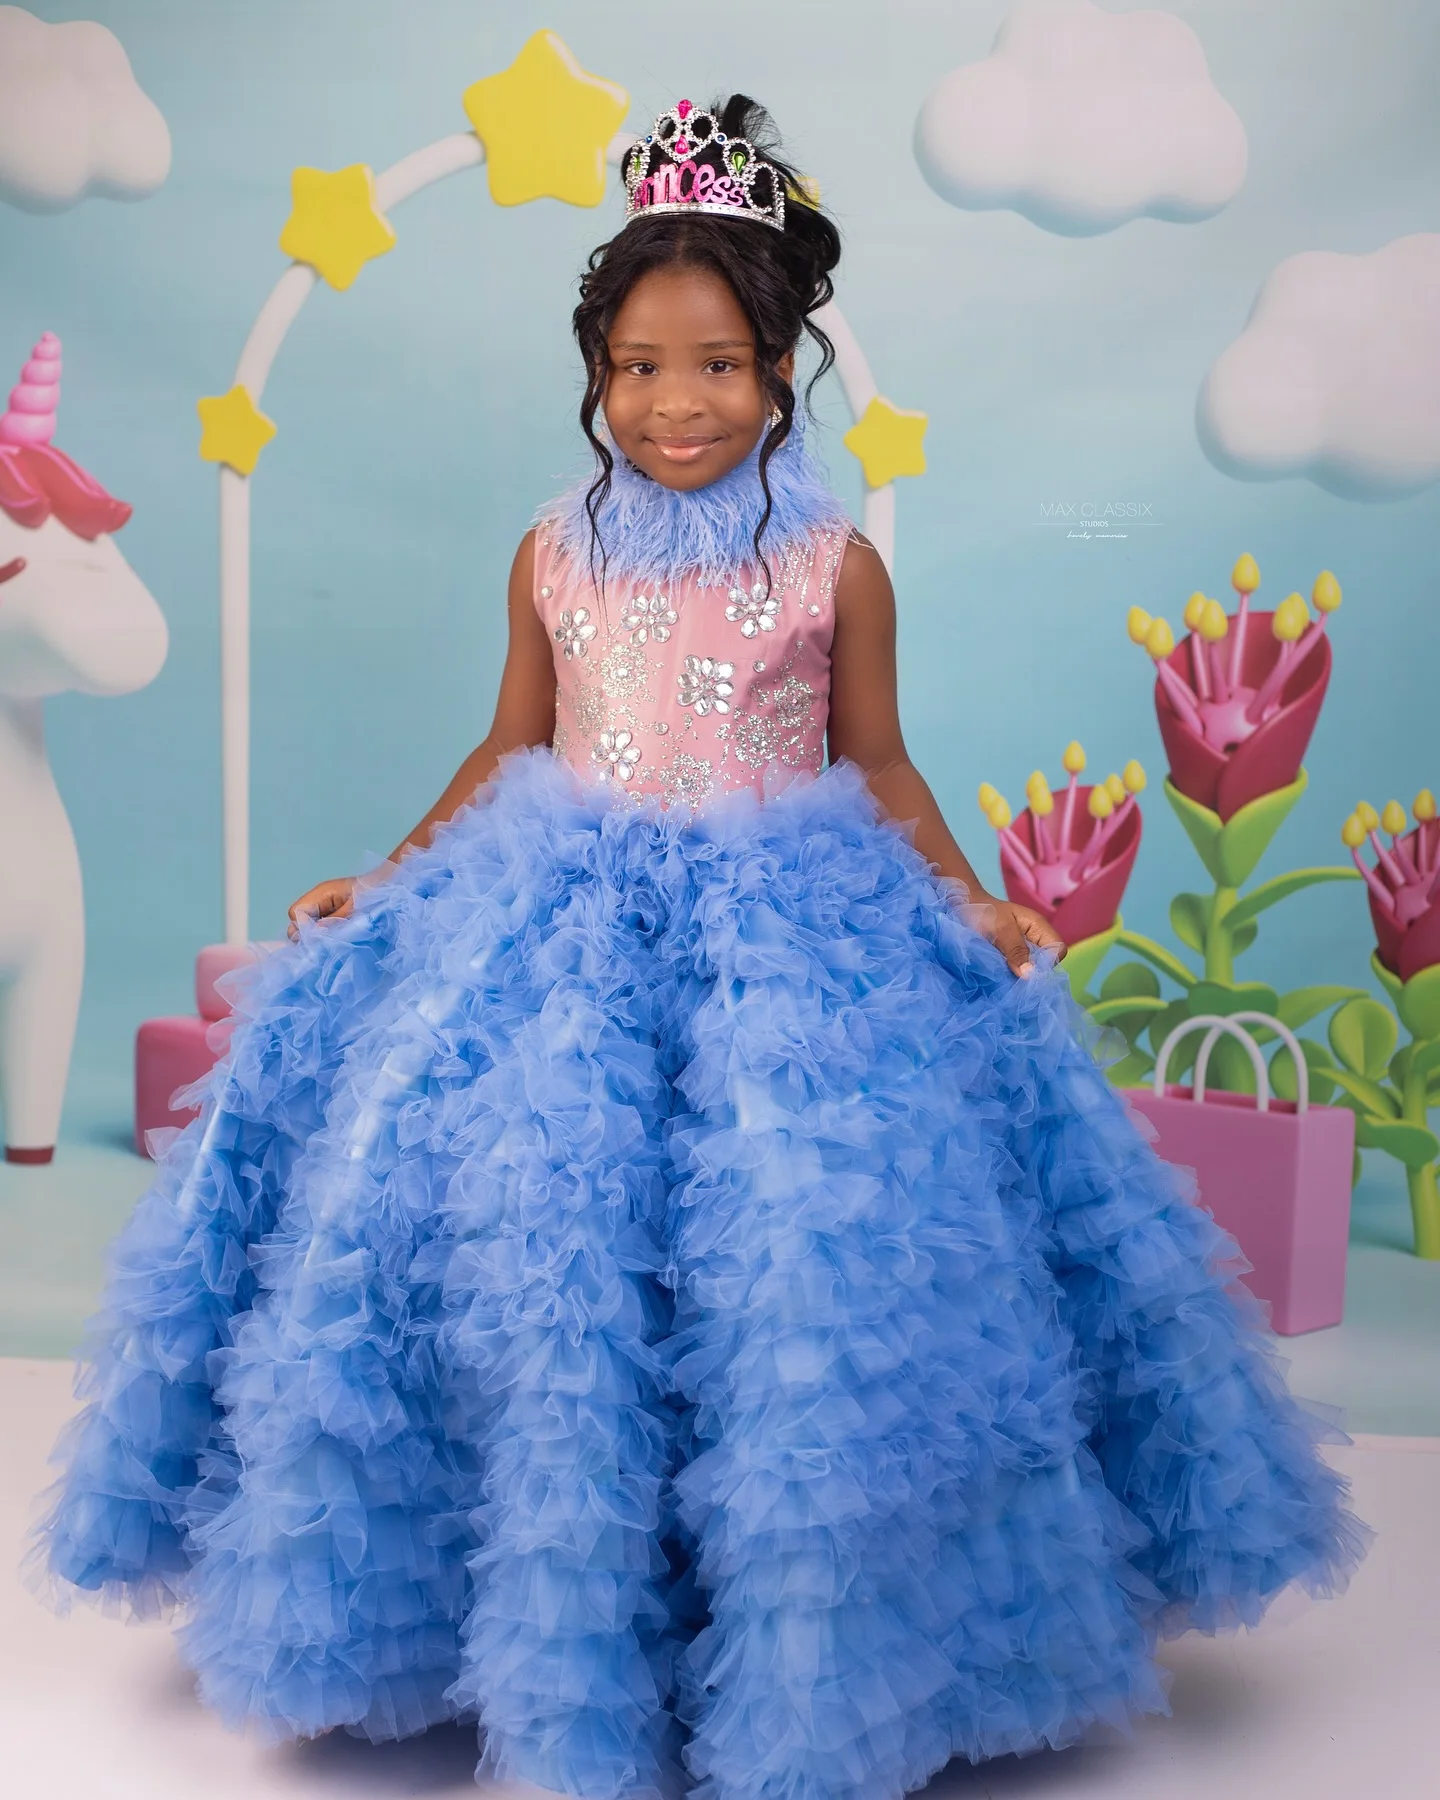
{"points": [[687, 164]]}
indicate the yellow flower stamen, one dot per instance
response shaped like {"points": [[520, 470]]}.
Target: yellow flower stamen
{"points": [[1393, 818], [1367, 815], [1352, 832], [1245, 576], [1291, 617], [1194, 611], [1137, 623], [1037, 792], [1160, 639], [1100, 804], [1134, 777], [1214, 622], [1424, 807], [1326, 592], [1073, 761], [1115, 788]]}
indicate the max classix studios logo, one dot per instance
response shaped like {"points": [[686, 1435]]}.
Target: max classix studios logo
{"points": [[1097, 518]]}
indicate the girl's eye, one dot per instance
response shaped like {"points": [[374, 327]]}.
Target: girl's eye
{"points": [[720, 365], [641, 368]]}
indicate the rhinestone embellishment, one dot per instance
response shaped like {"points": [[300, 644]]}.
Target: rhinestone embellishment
{"points": [[650, 616], [616, 754], [753, 612], [574, 632], [705, 685]]}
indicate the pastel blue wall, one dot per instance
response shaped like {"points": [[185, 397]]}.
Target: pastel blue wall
{"points": [[424, 413]]}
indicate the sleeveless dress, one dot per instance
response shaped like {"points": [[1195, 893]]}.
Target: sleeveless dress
{"points": [[654, 1283]]}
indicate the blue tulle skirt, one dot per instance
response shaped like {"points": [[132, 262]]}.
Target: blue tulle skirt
{"points": [[659, 1287]]}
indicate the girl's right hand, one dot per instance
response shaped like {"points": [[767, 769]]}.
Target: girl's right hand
{"points": [[328, 900]]}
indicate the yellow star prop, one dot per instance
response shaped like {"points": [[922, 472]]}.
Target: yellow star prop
{"points": [[234, 430], [545, 123], [889, 441], [334, 223]]}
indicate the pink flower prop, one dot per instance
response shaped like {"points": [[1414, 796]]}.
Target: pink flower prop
{"points": [[1070, 858], [1403, 883], [1238, 697]]}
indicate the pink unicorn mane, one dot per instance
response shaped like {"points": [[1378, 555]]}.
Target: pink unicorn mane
{"points": [[37, 480]]}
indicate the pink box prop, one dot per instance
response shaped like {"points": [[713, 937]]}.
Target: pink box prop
{"points": [[1274, 1173], [171, 1053]]}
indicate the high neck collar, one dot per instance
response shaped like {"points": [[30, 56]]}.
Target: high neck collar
{"points": [[652, 533]]}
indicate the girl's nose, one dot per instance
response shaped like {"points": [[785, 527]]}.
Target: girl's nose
{"points": [[678, 401]]}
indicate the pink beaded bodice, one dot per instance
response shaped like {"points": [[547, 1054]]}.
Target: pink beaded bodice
{"points": [[687, 691]]}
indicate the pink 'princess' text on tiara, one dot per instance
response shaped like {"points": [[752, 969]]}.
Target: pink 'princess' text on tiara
{"points": [[687, 164]]}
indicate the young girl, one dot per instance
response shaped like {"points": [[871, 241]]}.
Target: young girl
{"points": [[648, 1276]]}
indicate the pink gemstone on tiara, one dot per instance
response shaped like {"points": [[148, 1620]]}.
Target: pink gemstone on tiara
{"points": [[683, 109], [682, 148]]}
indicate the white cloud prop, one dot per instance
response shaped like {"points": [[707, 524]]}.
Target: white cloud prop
{"points": [[73, 118], [1082, 119], [1336, 375]]}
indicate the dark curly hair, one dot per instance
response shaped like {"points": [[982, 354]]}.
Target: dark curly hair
{"points": [[780, 279]]}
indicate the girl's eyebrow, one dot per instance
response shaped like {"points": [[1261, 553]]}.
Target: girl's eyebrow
{"points": [[714, 344]]}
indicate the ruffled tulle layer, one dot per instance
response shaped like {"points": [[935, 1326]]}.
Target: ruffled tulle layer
{"points": [[660, 1287]]}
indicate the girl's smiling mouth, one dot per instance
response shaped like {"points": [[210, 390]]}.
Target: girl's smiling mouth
{"points": [[683, 449]]}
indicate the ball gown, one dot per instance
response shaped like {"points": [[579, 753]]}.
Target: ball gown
{"points": [[654, 1283]]}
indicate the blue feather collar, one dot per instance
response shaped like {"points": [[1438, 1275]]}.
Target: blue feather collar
{"points": [[652, 533]]}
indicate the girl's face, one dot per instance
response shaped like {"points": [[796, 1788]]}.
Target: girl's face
{"points": [[683, 398]]}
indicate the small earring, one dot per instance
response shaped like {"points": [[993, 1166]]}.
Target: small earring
{"points": [[775, 416]]}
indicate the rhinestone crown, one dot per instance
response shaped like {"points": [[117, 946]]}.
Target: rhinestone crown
{"points": [[687, 164]]}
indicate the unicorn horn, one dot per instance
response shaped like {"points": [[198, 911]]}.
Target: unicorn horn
{"points": [[35, 397]]}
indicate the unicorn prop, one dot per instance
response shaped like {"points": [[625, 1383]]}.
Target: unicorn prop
{"points": [[73, 615]]}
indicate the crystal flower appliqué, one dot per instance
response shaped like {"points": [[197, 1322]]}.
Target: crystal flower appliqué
{"points": [[705, 685], [753, 612], [616, 754], [574, 632], [650, 616]]}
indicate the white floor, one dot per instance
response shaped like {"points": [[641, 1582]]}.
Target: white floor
{"points": [[1340, 1701]]}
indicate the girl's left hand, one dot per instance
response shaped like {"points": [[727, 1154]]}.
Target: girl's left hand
{"points": [[1014, 930]]}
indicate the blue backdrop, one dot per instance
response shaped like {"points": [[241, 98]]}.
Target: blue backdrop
{"points": [[424, 413]]}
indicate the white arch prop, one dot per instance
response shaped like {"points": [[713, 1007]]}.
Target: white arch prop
{"points": [[447, 156]]}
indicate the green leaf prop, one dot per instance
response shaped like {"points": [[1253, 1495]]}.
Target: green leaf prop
{"points": [[1231, 849], [1362, 1035], [1317, 1060], [1413, 1145], [1156, 954], [1182, 1058], [1371, 1097], [1085, 956], [1301, 1005], [1419, 1003], [1190, 919], [1129, 979], [1230, 1067], [1225, 998], [1133, 1070], [1280, 888]]}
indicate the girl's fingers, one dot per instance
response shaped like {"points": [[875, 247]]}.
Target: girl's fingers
{"points": [[1044, 936], [1010, 941]]}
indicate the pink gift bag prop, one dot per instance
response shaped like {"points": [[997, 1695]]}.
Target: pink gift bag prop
{"points": [[171, 1053], [1273, 1173]]}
